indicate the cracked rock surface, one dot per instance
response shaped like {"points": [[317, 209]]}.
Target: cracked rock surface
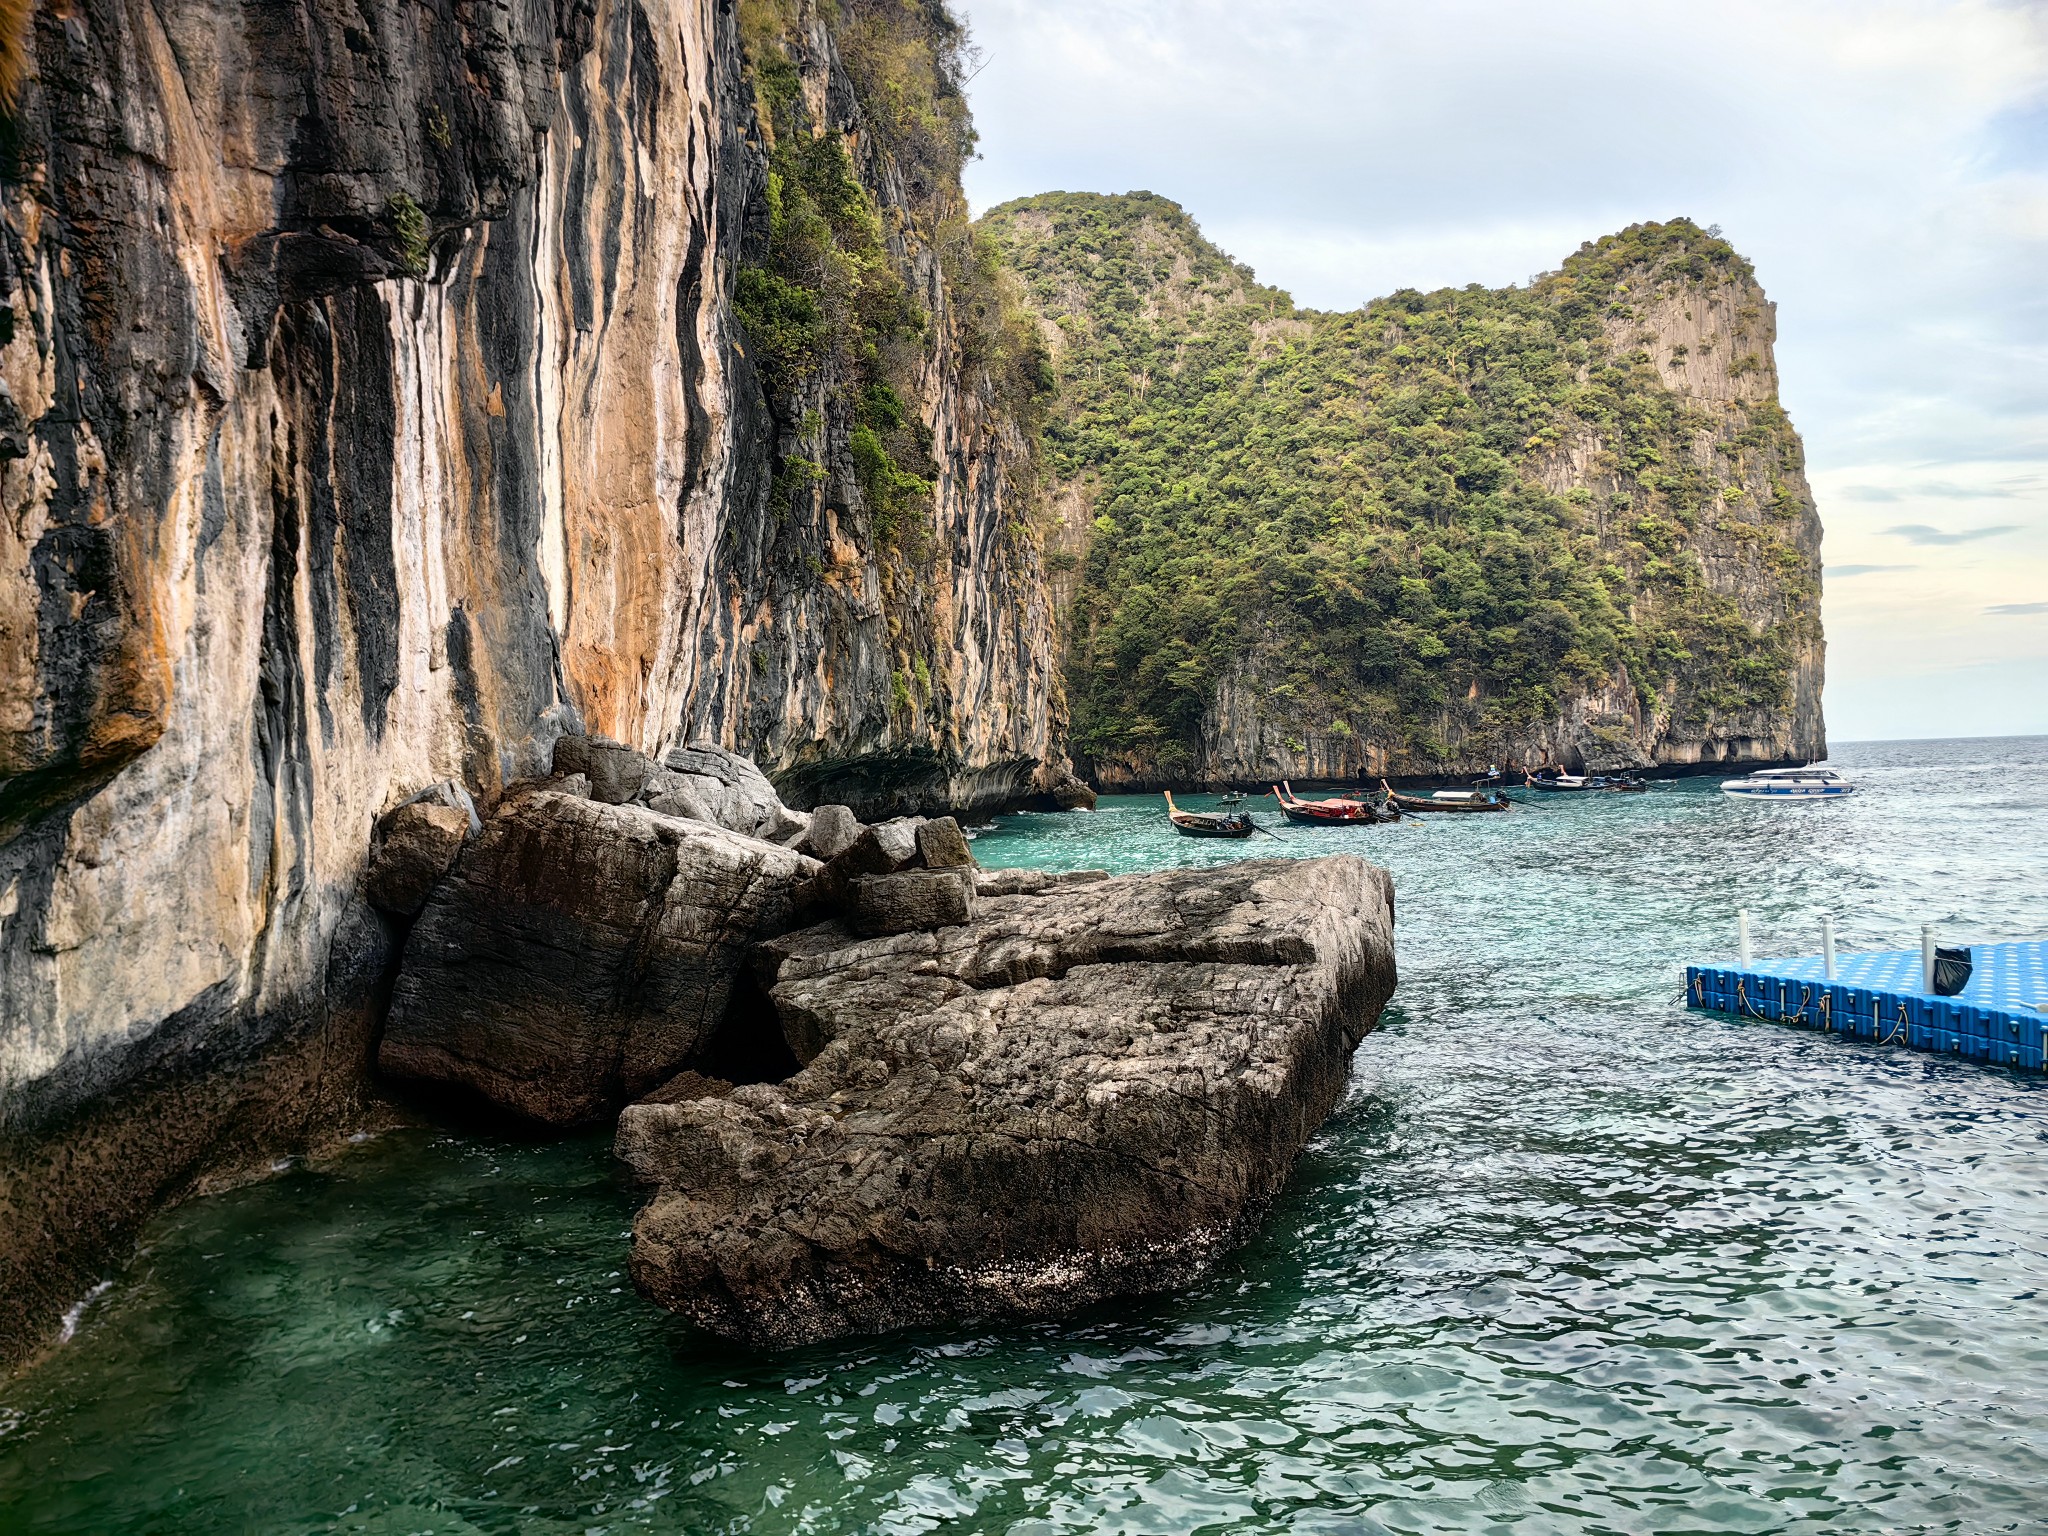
{"points": [[580, 953], [1092, 1088]]}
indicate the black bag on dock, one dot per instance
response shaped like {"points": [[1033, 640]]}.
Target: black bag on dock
{"points": [[1951, 971]]}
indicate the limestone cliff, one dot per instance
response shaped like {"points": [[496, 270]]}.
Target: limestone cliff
{"points": [[377, 404], [1566, 521]]}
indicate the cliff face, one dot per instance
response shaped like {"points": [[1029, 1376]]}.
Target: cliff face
{"points": [[1566, 522], [376, 406]]}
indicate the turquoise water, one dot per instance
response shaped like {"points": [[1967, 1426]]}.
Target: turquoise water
{"points": [[1567, 1259]]}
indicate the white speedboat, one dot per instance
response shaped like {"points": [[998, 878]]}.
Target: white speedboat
{"points": [[1790, 784]]}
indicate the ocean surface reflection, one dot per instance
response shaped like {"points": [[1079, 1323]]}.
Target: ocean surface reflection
{"points": [[1567, 1259]]}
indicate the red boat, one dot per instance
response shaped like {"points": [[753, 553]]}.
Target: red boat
{"points": [[1328, 813]]}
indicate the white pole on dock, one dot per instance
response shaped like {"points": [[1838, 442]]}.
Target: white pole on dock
{"points": [[1827, 945], [1927, 957], [1742, 936]]}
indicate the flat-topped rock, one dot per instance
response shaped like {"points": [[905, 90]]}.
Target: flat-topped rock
{"points": [[1090, 1088], [907, 903]]}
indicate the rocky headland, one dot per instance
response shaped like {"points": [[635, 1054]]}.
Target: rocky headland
{"points": [[962, 1093], [387, 392], [1563, 521]]}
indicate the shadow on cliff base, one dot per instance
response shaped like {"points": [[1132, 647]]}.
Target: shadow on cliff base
{"points": [[748, 1047]]}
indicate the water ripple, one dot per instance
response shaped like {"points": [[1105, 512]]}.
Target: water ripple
{"points": [[1567, 1259]]}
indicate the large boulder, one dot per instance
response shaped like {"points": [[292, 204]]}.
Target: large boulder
{"points": [[1092, 1088], [579, 954], [1070, 793], [737, 794], [617, 774], [898, 839], [942, 845], [832, 831], [701, 782], [867, 855], [913, 901], [415, 845]]}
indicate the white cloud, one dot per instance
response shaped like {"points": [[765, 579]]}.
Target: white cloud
{"points": [[1883, 162]]}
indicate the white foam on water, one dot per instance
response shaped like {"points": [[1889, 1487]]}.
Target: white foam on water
{"points": [[73, 1317]]}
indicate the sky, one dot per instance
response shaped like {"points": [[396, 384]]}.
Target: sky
{"points": [[1883, 163]]}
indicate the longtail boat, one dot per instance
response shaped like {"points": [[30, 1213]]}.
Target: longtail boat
{"points": [[1448, 800], [1558, 782], [1203, 824], [1336, 812]]}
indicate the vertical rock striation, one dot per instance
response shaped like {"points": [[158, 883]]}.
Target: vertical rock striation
{"points": [[374, 410]]}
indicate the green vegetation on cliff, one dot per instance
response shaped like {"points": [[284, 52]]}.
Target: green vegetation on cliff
{"points": [[1444, 514], [827, 303]]}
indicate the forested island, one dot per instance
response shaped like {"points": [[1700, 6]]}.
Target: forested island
{"points": [[1561, 520]]}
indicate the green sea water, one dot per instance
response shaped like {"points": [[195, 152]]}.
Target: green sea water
{"points": [[1567, 1258]]}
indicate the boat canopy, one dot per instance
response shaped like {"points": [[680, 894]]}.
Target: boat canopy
{"points": [[1826, 775]]}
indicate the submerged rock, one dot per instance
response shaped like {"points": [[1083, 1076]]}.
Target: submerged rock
{"points": [[580, 953], [1091, 1088]]}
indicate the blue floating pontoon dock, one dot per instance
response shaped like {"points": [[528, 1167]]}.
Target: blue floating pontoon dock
{"points": [[2000, 1017]]}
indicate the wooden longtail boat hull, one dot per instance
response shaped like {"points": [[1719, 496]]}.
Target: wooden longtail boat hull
{"points": [[1190, 825], [1327, 813], [1589, 784], [1428, 803], [1422, 805], [1200, 824]]}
